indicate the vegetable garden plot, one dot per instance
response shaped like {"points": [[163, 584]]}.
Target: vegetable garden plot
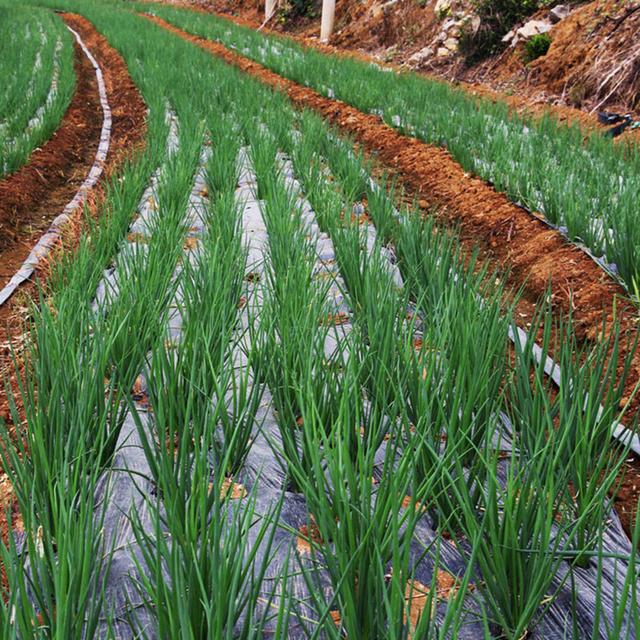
{"points": [[388, 217], [352, 177], [289, 426], [294, 517], [37, 69], [427, 559], [533, 255], [587, 190], [124, 488]]}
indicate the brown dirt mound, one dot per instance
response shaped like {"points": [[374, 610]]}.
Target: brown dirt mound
{"points": [[128, 109], [593, 61], [393, 32]]}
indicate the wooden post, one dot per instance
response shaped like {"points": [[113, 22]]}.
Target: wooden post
{"points": [[328, 15], [269, 8]]}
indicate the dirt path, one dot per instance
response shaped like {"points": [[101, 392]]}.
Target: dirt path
{"points": [[531, 255]]}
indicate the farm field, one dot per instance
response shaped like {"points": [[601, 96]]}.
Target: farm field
{"points": [[585, 190], [305, 348]]}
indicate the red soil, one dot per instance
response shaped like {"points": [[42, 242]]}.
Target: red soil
{"points": [[594, 59]]}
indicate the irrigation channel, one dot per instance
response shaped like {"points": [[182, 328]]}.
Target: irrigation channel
{"points": [[264, 399]]}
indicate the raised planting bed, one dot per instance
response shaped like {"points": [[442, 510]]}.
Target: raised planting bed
{"points": [[36, 63]]}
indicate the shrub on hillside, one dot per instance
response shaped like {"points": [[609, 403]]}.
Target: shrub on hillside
{"points": [[497, 18], [536, 47], [295, 8]]}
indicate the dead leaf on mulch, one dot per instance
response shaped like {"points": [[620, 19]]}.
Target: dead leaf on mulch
{"points": [[323, 274], [172, 445], [138, 238], [407, 502], [360, 219], [138, 393], [190, 243], [417, 594], [230, 489], [308, 534], [335, 616], [335, 319], [417, 597]]}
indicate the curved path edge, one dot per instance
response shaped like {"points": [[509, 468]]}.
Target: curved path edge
{"points": [[43, 247]]}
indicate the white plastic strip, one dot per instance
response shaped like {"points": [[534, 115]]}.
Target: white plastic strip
{"points": [[626, 436], [618, 431], [43, 247], [38, 118]]}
